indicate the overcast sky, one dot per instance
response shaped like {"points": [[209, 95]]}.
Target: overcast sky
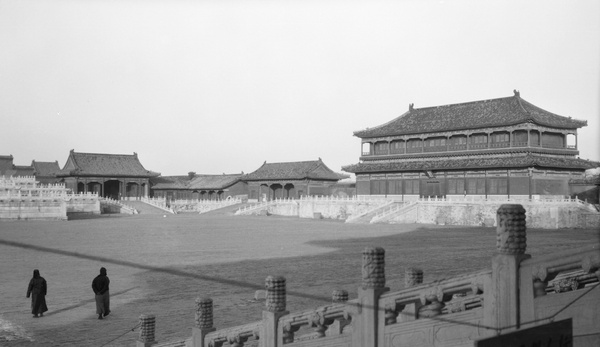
{"points": [[222, 86]]}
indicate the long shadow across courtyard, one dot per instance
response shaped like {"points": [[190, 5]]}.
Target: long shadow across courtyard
{"points": [[160, 265]]}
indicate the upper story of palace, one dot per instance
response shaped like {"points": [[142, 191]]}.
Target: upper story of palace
{"points": [[478, 127]]}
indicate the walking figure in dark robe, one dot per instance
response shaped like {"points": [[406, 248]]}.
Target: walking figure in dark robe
{"points": [[37, 290], [100, 287]]}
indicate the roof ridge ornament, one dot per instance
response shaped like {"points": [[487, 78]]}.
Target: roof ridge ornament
{"points": [[517, 93], [411, 107]]}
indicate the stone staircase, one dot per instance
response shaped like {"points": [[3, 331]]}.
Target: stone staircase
{"points": [[392, 211], [144, 208], [226, 210], [365, 217]]}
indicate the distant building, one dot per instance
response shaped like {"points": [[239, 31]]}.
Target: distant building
{"points": [[291, 180], [505, 147], [6, 164], [7, 168], [45, 172], [109, 175], [199, 187]]}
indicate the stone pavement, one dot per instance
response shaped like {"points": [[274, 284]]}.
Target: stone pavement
{"points": [[195, 255]]}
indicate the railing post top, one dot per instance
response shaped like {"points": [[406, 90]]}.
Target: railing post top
{"points": [[204, 300], [373, 267], [339, 296], [511, 230], [276, 293]]}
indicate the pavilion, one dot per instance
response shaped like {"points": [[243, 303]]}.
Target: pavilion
{"points": [[110, 175]]}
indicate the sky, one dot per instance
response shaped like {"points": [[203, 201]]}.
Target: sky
{"points": [[223, 86]]}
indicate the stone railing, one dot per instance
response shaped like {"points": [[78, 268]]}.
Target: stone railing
{"points": [[160, 203], [202, 206], [382, 204], [209, 205], [559, 273], [394, 209], [502, 198], [17, 181], [34, 193], [331, 321], [341, 198], [252, 208], [516, 293]]}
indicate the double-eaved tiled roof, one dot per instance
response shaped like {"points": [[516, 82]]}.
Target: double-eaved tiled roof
{"points": [[101, 164], [198, 182], [515, 161], [298, 170], [470, 115]]}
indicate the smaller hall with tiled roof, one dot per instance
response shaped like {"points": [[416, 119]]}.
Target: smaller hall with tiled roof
{"points": [[8, 168], [109, 175], [505, 147], [291, 180], [45, 171], [198, 186]]}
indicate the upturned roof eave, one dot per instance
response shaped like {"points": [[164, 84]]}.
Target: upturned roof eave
{"points": [[470, 129], [581, 165]]}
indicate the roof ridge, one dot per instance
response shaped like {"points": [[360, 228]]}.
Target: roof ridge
{"points": [[518, 97], [111, 154], [294, 162], [464, 103]]}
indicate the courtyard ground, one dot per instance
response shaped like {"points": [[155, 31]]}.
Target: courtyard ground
{"points": [[159, 265]]}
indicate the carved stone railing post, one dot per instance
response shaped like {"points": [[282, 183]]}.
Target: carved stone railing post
{"points": [[431, 304], [502, 307], [147, 327], [412, 277], [320, 323], [274, 309], [287, 335], [339, 296], [369, 320], [203, 323], [236, 340], [373, 268], [275, 287]]}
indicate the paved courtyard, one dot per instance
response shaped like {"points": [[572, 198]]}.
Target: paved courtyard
{"points": [[159, 265]]}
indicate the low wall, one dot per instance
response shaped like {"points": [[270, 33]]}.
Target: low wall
{"points": [[333, 209], [113, 208], [84, 204], [539, 215], [25, 208], [330, 209]]}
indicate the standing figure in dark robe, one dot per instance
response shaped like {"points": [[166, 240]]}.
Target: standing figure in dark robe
{"points": [[37, 290], [100, 287]]}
